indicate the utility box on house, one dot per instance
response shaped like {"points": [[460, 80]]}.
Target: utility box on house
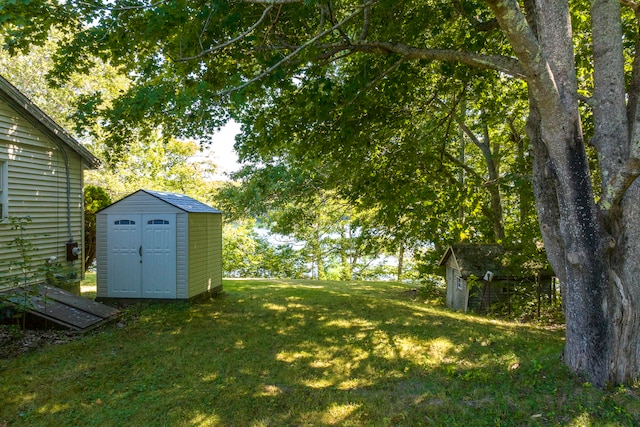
{"points": [[158, 245]]}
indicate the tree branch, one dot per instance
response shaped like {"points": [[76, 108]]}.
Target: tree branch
{"points": [[632, 5], [614, 140], [528, 51], [507, 65], [481, 26], [297, 50], [228, 42], [633, 105], [333, 21], [366, 23], [271, 2], [382, 75], [464, 166], [121, 8], [587, 100], [619, 184], [486, 152]]}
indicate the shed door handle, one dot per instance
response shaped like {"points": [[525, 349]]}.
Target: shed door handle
{"points": [[140, 250]]}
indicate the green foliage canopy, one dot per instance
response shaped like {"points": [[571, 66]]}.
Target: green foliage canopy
{"points": [[95, 198]]}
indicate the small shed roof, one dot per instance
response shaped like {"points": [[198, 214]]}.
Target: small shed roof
{"points": [[476, 259], [23, 105], [182, 202]]}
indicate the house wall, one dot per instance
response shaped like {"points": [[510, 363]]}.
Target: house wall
{"points": [[205, 253], [37, 187]]}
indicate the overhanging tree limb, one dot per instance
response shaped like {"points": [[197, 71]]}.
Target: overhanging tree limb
{"points": [[299, 49], [505, 64], [528, 51], [121, 8], [381, 76], [489, 25], [229, 42], [366, 24]]}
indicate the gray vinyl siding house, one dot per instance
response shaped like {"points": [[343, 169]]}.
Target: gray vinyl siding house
{"points": [[158, 245], [41, 176]]}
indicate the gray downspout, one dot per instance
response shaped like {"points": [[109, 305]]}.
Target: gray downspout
{"points": [[68, 178]]}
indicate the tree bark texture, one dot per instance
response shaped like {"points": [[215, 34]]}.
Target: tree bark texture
{"points": [[400, 271], [593, 248]]}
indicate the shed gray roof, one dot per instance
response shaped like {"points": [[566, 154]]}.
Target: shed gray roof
{"points": [[476, 259], [23, 105], [183, 202]]}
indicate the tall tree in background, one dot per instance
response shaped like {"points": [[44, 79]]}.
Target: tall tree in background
{"points": [[245, 253], [95, 198], [151, 160], [187, 56], [153, 163], [28, 72], [293, 202], [434, 170]]}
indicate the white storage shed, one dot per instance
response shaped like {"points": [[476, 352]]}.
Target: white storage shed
{"points": [[158, 245]]}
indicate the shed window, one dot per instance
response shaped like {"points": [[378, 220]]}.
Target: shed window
{"points": [[157, 222], [4, 189], [459, 283], [124, 222]]}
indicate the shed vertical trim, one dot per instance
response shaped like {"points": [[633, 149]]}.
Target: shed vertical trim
{"points": [[216, 246], [102, 278], [183, 256]]}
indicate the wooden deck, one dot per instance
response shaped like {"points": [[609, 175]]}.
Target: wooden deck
{"points": [[65, 309]]}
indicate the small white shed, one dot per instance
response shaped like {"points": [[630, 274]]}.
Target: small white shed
{"points": [[158, 245]]}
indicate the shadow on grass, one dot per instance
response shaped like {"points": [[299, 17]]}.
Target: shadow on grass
{"points": [[306, 353]]}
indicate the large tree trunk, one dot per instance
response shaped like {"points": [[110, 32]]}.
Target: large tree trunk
{"points": [[575, 249], [615, 137], [594, 251], [581, 261], [623, 291]]}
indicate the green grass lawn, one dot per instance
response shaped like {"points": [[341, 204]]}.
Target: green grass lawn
{"points": [[88, 286], [296, 353]]}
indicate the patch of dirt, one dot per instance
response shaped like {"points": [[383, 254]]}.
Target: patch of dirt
{"points": [[412, 294], [15, 341]]}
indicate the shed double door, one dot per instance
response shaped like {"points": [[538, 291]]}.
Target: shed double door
{"points": [[141, 256]]}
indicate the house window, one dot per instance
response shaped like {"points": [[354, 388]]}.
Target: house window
{"points": [[4, 190], [459, 283]]}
